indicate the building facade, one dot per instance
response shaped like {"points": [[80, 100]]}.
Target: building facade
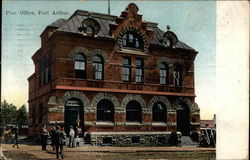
{"points": [[119, 78]]}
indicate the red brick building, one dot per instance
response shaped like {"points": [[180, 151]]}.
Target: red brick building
{"points": [[122, 78]]}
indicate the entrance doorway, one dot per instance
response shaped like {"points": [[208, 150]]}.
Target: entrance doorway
{"points": [[73, 114], [183, 119]]}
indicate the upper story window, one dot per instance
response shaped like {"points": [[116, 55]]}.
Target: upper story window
{"points": [[139, 74], [163, 73], [97, 68], [132, 40], [126, 69], [80, 66], [45, 71], [105, 111], [177, 75]]}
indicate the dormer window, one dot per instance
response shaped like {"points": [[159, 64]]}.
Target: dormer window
{"points": [[132, 40], [89, 31]]}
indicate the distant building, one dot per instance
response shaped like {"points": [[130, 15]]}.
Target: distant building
{"points": [[208, 123], [121, 78]]}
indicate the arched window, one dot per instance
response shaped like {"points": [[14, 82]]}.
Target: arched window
{"points": [[105, 111], [43, 72], [97, 68], [132, 40], [163, 73], [89, 31], [133, 112], [177, 75], [80, 66], [159, 112]]}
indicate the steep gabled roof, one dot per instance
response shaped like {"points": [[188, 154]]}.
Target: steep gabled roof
{"points": [[72, 24]]}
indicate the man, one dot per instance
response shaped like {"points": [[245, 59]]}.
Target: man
{"points": [[71, 137], [52, 136], [16, 138], [44, 137], [59, 141]]}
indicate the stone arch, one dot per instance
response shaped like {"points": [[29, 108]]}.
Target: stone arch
{"points": [[76, 50], [192, 106], [75, 94], [169, 62], [161, 99], [135, 30], [137, 98], [101, 96], [100, 52]]}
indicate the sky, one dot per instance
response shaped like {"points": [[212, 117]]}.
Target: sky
{"points": [[194, 23]]}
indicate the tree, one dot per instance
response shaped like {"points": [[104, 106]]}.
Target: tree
{"points": [[11, 115], [22, 116]]}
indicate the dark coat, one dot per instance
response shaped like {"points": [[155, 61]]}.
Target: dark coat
{"points": [[59, 138], [52, 135]]}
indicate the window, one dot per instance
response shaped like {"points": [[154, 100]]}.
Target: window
{"points": [[161, 140], [105, 111], [34, 116], [177, 75], [133, 112], [163, 73], [97, 68], [126, 69], [139, 71], [159, 112], [107, 140], [80, 66], [132, 40], [135, 140], [89, 31], [45, 70], [40, 114]]}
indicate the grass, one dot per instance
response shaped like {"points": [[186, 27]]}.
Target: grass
{"points": [[18, 155]]}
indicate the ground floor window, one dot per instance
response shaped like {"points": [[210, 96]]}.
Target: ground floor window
{"points": [[133, 112], [105, 111]]}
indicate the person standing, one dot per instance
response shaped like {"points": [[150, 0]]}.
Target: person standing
{"points": [[16, 138], [71, 137], [44, 137], [59, 141], [52, 136]]}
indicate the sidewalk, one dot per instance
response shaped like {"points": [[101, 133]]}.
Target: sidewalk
{"points": [[84, 152]]}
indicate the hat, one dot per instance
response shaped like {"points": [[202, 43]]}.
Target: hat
{"points": [[70, 126]]}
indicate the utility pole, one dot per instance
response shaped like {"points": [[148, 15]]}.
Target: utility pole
{"points": [[109, 7]]}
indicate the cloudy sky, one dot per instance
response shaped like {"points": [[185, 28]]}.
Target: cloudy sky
{"points": [[193, 22]]}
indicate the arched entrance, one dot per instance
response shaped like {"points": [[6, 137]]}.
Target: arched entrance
{"points": [[183, 119], [73, 114]]}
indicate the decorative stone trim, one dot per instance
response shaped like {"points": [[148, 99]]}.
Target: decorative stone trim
{"points": [[159, 124], [75, 94], [104, 124], [56, 110], [195, 123], [161, 99], [119, 123], [133, 124], [52, 101], [109, 96], [169, 61], [89, 123], [192, 106], [88, 54], [76, 50], [135, 30], [171, 123], [139, 99], [56, 122], [128, 133]]}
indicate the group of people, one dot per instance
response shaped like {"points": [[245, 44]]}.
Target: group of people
{"points": [[8, 135], [57, 139]]}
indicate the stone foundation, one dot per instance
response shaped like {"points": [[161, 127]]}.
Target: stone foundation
{"points": [[128, 138]]}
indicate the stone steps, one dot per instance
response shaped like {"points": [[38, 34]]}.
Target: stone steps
{"points": [[186, 141]]}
